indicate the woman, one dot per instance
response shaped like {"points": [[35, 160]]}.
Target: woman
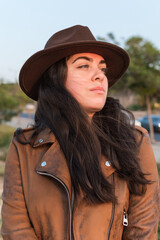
{"points": [[83, 171]]}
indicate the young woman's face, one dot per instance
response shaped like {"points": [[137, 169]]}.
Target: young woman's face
{"points": [[87, 81]]}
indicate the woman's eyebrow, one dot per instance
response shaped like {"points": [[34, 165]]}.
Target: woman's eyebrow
{"points": [[86, 58], [102, 62]]}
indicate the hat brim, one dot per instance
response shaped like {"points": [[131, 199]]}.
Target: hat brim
{"points": [[116, 58]]}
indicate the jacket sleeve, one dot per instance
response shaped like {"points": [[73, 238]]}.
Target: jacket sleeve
{"points": [[143, 210], [15, 220]]}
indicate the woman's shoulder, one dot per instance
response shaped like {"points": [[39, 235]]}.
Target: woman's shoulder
{"points": [[141, 130], [23, 134], [26, 131], [34, 136], [142, 134], [146, 154], [143, 138]]}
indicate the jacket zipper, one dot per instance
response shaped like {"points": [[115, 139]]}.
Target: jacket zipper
{"points": [[69, 200], [112, 217], [125, 218]]}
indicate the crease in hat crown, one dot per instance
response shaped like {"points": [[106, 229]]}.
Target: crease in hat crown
{"points": [[75, 33], [64, 43]]}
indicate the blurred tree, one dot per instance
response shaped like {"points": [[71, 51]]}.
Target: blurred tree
{"points": [[7, 102], [12, 100], [143, 75], [110, 37]]}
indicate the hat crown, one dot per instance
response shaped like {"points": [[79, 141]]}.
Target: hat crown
{"points": [[76, 33]]}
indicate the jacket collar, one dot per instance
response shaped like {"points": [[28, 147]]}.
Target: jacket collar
{"points": [[44, 137], [54, 163]]}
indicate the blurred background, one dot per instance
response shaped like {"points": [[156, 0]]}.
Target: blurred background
{"points": [[25, 26]]}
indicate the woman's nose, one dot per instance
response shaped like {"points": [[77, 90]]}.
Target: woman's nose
{"points": [[98, 75]]}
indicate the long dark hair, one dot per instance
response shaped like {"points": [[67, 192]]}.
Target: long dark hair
{"points": [[83, 141]]}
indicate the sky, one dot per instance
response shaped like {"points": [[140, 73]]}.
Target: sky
{"points": [[26, 25]]}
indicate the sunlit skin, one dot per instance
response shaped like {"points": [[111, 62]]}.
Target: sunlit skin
{"points": [[87, 82]]}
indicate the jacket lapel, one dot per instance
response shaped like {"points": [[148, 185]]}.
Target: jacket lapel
{"points": [[107, 169], [53, 161]]}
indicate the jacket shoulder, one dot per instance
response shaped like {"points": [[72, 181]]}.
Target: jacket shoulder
{"points": [[24, 130], [38, 138], [141, 130], [24, 133], [141, 133]]}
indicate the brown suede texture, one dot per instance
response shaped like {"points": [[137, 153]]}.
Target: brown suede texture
{"points": [[38, 191]]}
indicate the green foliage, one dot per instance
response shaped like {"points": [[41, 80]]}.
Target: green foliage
{"points": [[7, 102], [143, 75], [158, 166], [12, 100], [135, 107], [110, 37], [3, 155], [2, 169], [6, 133]]}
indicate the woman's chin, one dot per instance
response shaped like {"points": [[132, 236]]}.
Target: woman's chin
{"points": [[92, 110]]}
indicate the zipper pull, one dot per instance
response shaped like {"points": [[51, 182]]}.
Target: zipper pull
{"points": [[125, 218]]}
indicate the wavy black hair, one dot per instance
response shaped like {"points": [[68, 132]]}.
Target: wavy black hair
{"points": [[111, 133]]}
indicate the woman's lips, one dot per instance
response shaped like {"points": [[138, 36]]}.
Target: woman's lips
{"points": [[97, 89]]}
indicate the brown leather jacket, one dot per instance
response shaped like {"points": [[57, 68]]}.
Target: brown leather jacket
{"points": [[38, 200]]}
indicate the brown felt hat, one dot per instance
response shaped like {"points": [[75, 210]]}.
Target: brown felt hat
{"points": [[76, 39]]}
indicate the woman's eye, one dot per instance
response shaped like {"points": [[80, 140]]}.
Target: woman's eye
{"points": [[84, 66], [104, 70]]}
